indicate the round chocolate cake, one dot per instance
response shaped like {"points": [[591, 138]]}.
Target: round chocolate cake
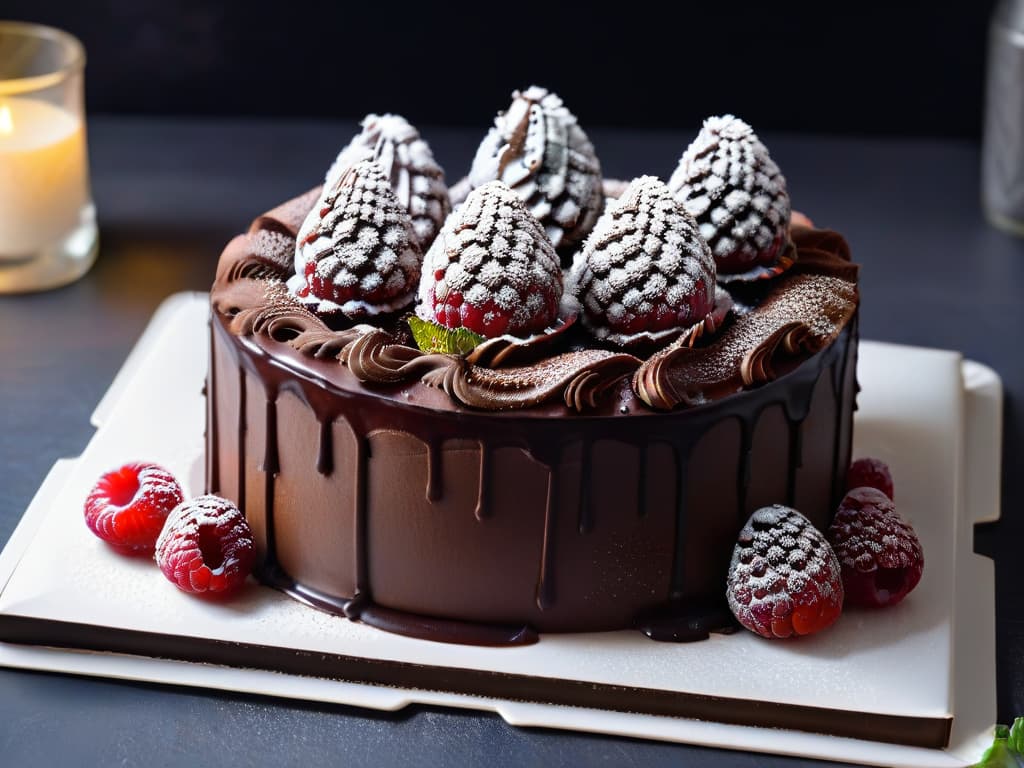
{"points": [[520, 414]]}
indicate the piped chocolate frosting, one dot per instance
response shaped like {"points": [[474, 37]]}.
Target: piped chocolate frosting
{"points": [[797, 314]]}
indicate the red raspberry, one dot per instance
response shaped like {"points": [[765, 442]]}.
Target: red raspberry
{"points": [[645, 270], [357, 253], [206, 546], [879, 552], [729, 183], [127, 507], [870, 473], [492, 269], [784, 579]]}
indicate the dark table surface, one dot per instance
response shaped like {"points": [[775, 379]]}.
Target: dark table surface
{"points": [[170, 193]]}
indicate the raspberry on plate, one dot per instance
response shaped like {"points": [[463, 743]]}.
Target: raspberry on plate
{"points": [[878, 551], [870, 473], [784, 579], [127, 506], [206, 546]]}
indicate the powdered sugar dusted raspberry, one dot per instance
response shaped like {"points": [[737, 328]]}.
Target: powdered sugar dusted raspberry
{"points": [[784, 579], [357, 254], [406, 160], [492, 269], [127, 506], [538, 150], [729, 183], [206, 546], [645, 269], [880, 554]]}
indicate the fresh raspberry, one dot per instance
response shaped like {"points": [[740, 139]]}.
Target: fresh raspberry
{"points": [[645, 270], [879, 552], [127, 507], [357, 252], [539, 150], [729, 183], [784, 579], [407, 162], [492, 269], [206, 546], [870, 473]]}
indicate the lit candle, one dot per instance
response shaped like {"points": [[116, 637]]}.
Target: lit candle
{"points": [[43, 175]]}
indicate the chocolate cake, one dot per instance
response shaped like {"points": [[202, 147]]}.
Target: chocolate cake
{"points": [[562, 451]]}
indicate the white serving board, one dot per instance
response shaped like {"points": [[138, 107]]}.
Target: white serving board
{"points": [[935, 419]]}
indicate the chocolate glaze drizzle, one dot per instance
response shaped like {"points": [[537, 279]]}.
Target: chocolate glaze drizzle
{"points": [[543, 440], [212, 484], [482, 510], [363, 377]]}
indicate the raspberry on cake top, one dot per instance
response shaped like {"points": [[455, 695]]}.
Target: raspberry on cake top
{"points": [[358, 254], [645, 272], [539, 150], [727, 180], [492, 269]]}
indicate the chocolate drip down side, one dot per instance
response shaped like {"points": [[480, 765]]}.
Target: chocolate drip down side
{"points": [[561, 448], [487, 498]]}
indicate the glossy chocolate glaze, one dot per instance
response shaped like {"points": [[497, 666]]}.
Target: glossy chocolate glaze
{"points": [[548, 463], [540, 487]]}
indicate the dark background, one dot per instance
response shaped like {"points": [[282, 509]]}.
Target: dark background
{"points": [[871, 67]]}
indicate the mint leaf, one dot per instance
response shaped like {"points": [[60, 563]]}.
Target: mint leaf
{"points": [[431, 337], [1005, 751], [1015, 738]]}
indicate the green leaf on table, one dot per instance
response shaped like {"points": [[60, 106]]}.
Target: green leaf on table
{"points": [[431, 337], [1005, 751], [1015, 738]]}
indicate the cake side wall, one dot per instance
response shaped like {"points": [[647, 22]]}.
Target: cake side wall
{"points": [[560, 527]]}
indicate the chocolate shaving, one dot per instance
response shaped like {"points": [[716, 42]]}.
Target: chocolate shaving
{"points": [[803, 313]]}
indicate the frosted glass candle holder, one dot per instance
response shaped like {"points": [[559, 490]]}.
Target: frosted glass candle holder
{"points": [[48, 234]]}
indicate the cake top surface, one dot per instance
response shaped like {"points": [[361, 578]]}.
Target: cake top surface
{"points": [[633, 321]]}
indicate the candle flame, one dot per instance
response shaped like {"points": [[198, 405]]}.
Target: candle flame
{"points": [[6, 121]]}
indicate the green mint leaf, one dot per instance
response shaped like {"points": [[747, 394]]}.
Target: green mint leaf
{"points": [[1015, 738], [1005, 751], [431, 337], [997, 756]]}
